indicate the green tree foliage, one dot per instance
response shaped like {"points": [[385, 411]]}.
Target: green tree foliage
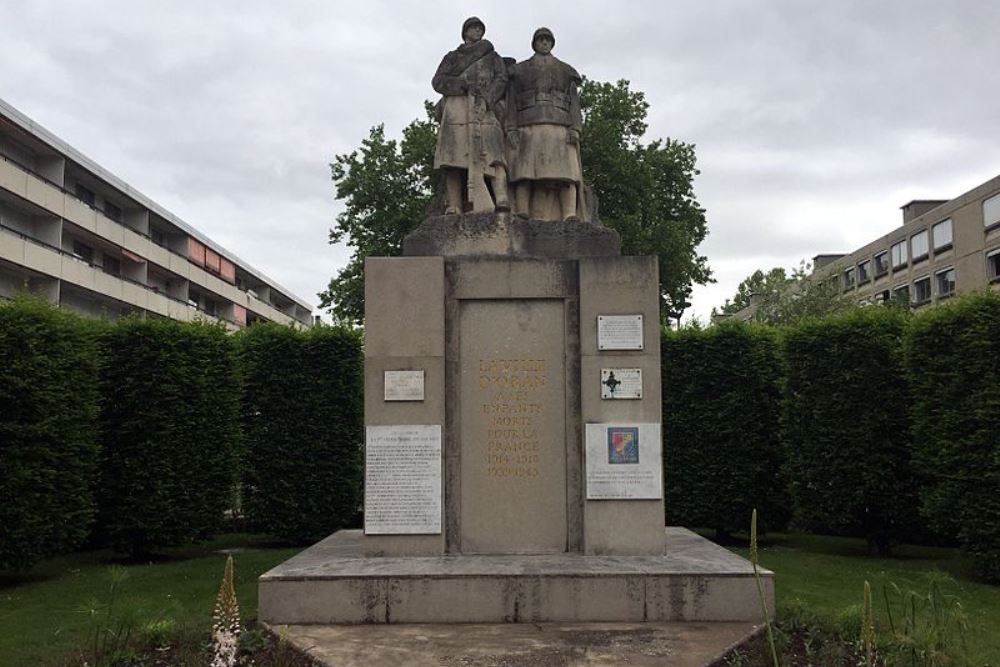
{"points": [[303, 420], [721, 407], [170, 433], [845, 426], [645, 192], [785, 298], [386, 187], [48, 438], [953, 361]]}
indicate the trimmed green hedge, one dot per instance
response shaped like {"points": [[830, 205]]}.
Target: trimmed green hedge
{"points": [[48, 441], [303, 420], [846, 427], [170, 431], [953, 358], [721, 406]]}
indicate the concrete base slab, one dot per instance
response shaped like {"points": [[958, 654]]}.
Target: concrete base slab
{"points": [[518, 645], [333, 583]]}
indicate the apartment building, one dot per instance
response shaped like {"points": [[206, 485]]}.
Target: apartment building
{"points": [[87, 241], [943, 248]]}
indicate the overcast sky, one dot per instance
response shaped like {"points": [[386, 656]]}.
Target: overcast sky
{"points": [[813, 121]]}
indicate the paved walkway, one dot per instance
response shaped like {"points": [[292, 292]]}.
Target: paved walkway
{"points": [[518, 644]]}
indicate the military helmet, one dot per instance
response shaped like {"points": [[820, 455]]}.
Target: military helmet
{"points": [[472, 20], [542, 32]]}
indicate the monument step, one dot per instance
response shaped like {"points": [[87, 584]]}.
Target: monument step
{"points": [[519, 645], [333, 583]]}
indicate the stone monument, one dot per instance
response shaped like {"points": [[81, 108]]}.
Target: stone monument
{"points": [[512, 396]]}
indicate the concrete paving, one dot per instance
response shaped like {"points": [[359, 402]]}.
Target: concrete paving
{"points": [[518, 645]]}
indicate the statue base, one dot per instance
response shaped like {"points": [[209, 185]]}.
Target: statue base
{"points": [[502, 234]]}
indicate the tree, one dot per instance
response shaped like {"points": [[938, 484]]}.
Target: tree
{"points": [[783, 298], [386, 187], [645, 192]]}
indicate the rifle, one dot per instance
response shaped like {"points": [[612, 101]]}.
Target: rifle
{"points": [[479, 196]]}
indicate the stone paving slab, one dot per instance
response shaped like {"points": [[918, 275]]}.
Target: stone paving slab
{"points": [[518, 645], [340, 556]]}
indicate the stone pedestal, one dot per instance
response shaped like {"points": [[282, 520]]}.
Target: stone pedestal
{"points": [[501, 344]]}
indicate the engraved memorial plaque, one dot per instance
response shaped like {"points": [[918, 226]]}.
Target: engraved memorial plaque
{"points": [[617, 383], [624, 462], [513, 437], [403, 480], [404, 385], [619, 332]]}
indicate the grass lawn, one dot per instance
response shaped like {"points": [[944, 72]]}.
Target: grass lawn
{"points": [[827, 575], [43, 614]]}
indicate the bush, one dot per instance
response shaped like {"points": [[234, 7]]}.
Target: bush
{"points": [[845, 426], [48, 442], [303, 420], [721, 411], [170, 430], [953, 362]]}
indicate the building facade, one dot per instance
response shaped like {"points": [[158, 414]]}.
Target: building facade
{"points": [[83, 239], [943, 248]]}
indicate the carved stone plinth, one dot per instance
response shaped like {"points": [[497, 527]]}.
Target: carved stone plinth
{"points": [[501, 234]]}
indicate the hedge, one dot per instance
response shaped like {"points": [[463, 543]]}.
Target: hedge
{"points": [[303, 420], [953, 359], [170, 431], [845, 426], [48, 444], [721, 411]]}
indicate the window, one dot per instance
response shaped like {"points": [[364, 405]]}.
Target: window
{"points": [[881, 264], [883, 296], [921, 290], [112, 265], [157, 237], [84, 195], [112, 211], [849, 278], [902, 294], [899, 257], [942, 235], [83, 251], [918, 245], [864, 272], [991, 211], [993, 266], [945, 282]]}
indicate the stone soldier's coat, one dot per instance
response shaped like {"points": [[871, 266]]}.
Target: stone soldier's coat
{"points": [[479, 68], [546, 107]]}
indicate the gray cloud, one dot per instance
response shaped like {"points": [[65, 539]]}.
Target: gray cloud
{"points": [[813, 121]]}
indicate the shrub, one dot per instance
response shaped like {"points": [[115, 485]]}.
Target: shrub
{"points": [[953, 362], [170, 429], [845, 426], [303, 419], [48, 443], [721, 411]]}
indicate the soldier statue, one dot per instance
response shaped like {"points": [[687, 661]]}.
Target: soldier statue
{"points": [[543, 129], [473, 82]]}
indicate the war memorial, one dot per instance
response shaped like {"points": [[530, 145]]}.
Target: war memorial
{"points": [[513, 449]]}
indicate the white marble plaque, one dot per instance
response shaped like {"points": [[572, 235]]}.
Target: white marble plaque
{"points": [[403, 480], [619, 383], [619, 332], [624, 462], [404, 385]]}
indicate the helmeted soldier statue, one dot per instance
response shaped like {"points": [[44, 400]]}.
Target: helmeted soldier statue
{"points": [[543, 129], [470, 143]]}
